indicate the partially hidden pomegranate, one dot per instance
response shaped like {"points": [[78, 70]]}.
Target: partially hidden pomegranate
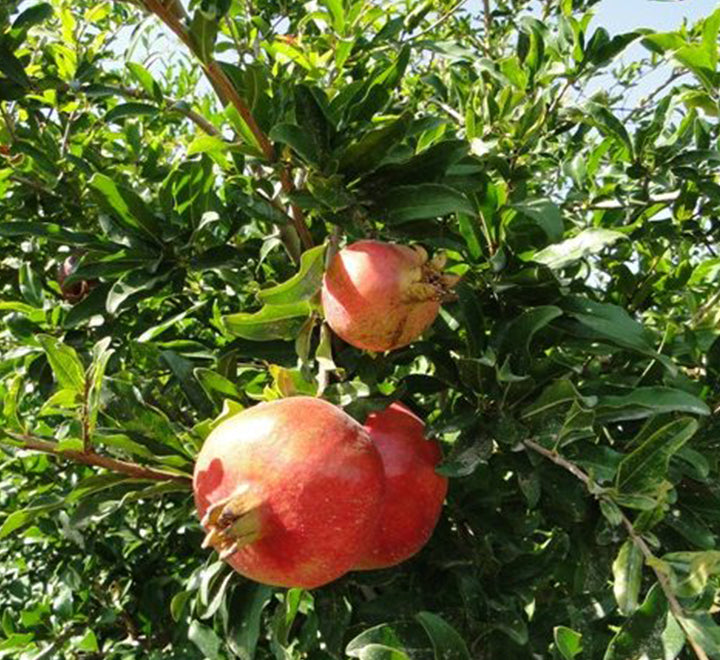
{"points": [[381, 296], [76, 291], [414, 492], [290, 492]]}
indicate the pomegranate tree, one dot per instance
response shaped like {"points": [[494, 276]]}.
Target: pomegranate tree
{"points": [[381, 296], [414, 492], [290, 492]]}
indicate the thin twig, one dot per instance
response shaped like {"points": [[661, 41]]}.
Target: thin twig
{"points": [[487, 18], [39, 187], [66, 133], [437, 23], [94, 459], [705, 309], [559, 96], [85, 418], [195, 118], [617, 205], [9, 122], [639, 542], [227, 94]]}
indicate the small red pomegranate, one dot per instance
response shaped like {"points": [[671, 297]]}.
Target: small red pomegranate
{"points": [[76, 291], [414, 492], [290, 492], [380, 296]]}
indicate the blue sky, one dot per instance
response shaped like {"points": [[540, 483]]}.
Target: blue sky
{"points": [[618, 16], [624, 15]]}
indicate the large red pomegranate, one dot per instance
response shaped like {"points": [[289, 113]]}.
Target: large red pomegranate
{"points": [[380, 296], [290, 492], [414, 492]]}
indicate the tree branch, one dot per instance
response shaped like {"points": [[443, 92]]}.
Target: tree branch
{"points": [[227, 94], [639, 542], [487, 17], [93, 459]]}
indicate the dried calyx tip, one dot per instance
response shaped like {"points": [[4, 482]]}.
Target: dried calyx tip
{"points": [[232, 522], [434, 284]]}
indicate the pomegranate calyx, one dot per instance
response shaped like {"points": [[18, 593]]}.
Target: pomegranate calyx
{"points": [[433, 284], [233, 522]]}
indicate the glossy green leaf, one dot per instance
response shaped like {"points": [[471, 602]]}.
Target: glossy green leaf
{"points": [[125, 205], [368, 152], [428, 200], [69, 371], [545, 214], [627, 577], [271, 322], [568, 642], [643, 469], [301, 286], [641, 635], [131, 109], [587, 242], [205, 639], [447, 642]]}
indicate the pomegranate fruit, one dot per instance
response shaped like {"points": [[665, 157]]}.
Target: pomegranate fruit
{"points": [[380, 296], [76, 291], [290, 492], [414, 492]]}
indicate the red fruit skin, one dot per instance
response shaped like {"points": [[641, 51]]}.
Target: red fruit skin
{"points": [[320, 481], [365, 296], [414, 492]]}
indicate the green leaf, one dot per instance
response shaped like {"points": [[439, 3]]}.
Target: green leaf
{"points": [[587, 242], [242, 630], [146, 81], [271, 322], [390, 642], [369, 151], [205, 639], [611, 323], [301, 286], [30, 286], [65, 363], [203, 32], [520, 331], [546, 214], [312, 114], [691, 571], [125, 205], [131, 109], [627, 577], [641, 635], [298, 139], [212, 381], [446, 641], [203, 144], [337, 11], [87, 643], [646, 467], [646, 401], [19, 518], [567, 641], [96, 374], [421, 202], [608, 124], [32, 16], [704, 631], [12, 67], [242, 128], [183, 370]]}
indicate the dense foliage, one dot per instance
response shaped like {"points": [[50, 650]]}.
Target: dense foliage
{"points": [[198, 165]]}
